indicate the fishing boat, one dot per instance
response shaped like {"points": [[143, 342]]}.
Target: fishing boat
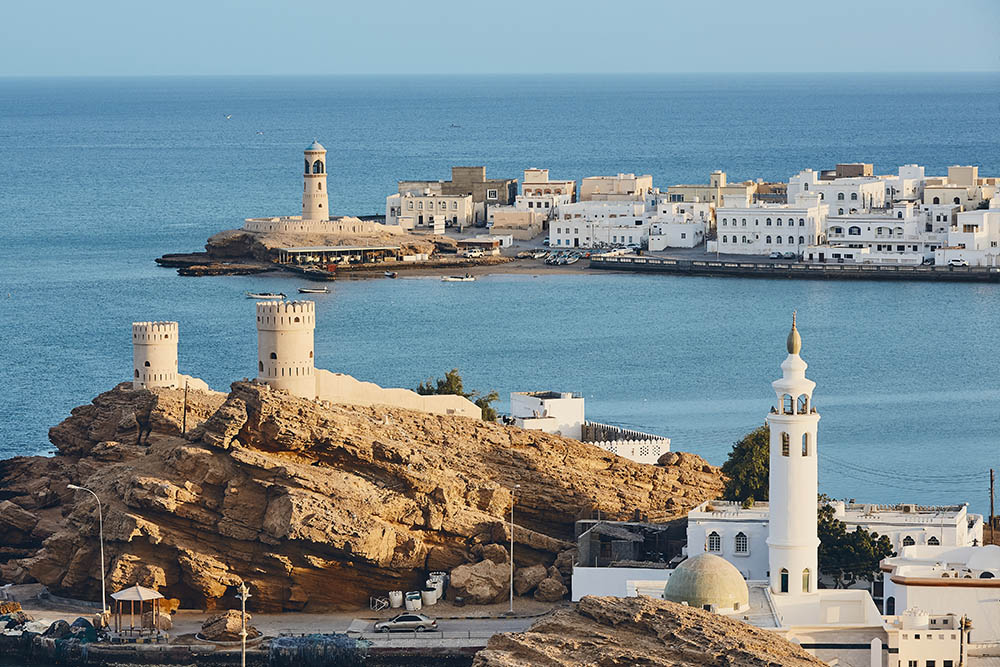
{"points": [[391, 274], [268, 296], [314, 290], [539, 254], [467, 278], [573, 259]]}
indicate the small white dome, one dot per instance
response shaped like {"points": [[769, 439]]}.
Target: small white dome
{"points": [[315, 146], [706, 580]]}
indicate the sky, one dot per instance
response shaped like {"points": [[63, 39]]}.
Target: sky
{"points": [[281, 37]]}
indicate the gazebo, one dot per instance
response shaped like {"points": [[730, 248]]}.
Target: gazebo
{"points": [[134, 594]]}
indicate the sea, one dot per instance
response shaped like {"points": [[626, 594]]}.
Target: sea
{"points": [[99, 176]]}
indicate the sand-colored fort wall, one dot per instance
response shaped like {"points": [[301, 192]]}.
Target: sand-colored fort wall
{"points": [[340, 388]]}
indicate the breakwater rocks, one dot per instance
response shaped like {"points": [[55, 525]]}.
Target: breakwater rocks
{"points": [[640, 631], [314, 506]]}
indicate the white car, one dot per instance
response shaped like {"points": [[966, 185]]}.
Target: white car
{"points": [[409, 621], [957, 262], [775, 255]]}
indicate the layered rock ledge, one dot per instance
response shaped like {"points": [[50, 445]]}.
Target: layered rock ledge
{"points": [[314, 506]]}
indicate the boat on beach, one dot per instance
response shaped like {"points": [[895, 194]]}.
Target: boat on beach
{"points": [[269, 296], [314, 290], [391, 274], [467, 278]]}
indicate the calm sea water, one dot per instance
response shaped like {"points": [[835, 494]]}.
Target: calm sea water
{"points": [[99, 176]]}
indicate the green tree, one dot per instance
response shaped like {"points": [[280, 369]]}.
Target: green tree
{"points": [[746, 468], [451, 383], [849, 555]]}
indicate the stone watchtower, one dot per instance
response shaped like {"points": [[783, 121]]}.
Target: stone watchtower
{"points": [[154, 354], [315, 203], [285, 346], [792, 490]]}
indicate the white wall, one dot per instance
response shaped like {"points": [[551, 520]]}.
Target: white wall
{"points": [[617, 581], [753, 565], [982, 605], [564, 415]]}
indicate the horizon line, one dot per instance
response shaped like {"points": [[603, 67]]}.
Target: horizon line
{"points": [[121, 75]]}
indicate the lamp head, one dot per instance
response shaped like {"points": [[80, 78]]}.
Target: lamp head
{"points": [[74, 487]]}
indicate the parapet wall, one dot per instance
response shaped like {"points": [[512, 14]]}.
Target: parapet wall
{"points": [[296, 225], [633, 445], [154, 332], [285, 315], [344, 389]]}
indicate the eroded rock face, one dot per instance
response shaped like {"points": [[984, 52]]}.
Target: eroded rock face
{"points": [[484, 582], [640, 631], [313, 506], [526, 578]]}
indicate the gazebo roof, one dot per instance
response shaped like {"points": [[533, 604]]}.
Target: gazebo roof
{"points": [[136, 593]]}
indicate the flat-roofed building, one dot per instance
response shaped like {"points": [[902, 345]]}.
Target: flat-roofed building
{"points": [[851, 194], [429, 210], [717, 188], [623, 187], [522, 224], [760, 229], [485, 192]]}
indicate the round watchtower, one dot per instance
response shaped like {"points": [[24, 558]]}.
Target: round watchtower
{"points": [[285, 346], [315, 203], [154, 354]]}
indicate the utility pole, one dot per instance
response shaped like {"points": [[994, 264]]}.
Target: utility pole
{"points": [[184, 416], [993, 478], [100, 526], [512, 491], [244, 594]]}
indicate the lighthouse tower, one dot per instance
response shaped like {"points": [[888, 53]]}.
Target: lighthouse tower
{"points": [[792, 540], [154, 354], [285, 346], [315, 203]]}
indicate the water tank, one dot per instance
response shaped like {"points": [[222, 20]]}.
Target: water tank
{"points": [[395, 599]]}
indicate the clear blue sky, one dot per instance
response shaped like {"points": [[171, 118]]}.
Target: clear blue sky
{"points": [[150, 37]]}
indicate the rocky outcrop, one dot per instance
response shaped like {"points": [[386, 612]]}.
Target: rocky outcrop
{"points": [[640, 631], [314, 506], [226, 626], [484, 582], [527, 578]]}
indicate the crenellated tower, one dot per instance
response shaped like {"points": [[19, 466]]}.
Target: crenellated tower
{"points": [[285, 346], [154, 354], [792, 541], [315, 202]]}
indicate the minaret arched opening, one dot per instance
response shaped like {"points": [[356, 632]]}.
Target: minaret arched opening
{"points": [[318, 167], [785, 445], [784, 580], [805, 444], [805, 580]]}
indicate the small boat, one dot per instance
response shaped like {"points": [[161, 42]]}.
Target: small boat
{"points": [[524, 254], [269, 296], [573, 259], [391, 274], [539, 254], [467, 278], [314, 290]]}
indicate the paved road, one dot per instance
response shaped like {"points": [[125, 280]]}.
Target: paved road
{"points": [[476, 626]]}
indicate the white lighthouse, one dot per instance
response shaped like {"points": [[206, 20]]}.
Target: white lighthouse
{"points": [[315, 203], [792, 541], [285, 346], [154, 354]]}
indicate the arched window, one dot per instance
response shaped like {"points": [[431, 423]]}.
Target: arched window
{"points": [[802, 222], [307, 165], [986, 575], [805, 186], [840, 196], [803, 404], [805, 580], [778, 222], [319, 185], [137, 372], [802, 240], [744, 223], [840, 211], [785, 445], [791, 240], [854, 231], [714, 541], [723, 239], [146, 364], [787, 406], [933, 541], [784, 580], [296, 319], [744, 239], [260, 366], [890, 606], [768, 239], [310, 354], [899, 215], [318, 167], [957, 200], [274, 355], [724, 221], [937, 200], [908, 541], [742, 544], [854, 196], [805, 444], [769, 222], [777, 239], [822, 196]]}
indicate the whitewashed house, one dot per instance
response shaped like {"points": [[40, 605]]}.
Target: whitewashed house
{"points": [[760, 229], [584, 224], [678, 224]]}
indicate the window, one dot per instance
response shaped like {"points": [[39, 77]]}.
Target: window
{"points": [[318, 167], [778, 239], [840, 211], [890, 606], [319, 185], [787, 406], [724, 239], [454, 206], [741, 544], [714, 542], [744, 224], [137, 372], [491, 194], [854, 231], [805, 186], [769, 222], [840, 196], [778, 221], [409, 206], [933, 541], [784, 580], [147, 364], [791, 240], [908, 541], [854, 196], [805, 580], [802, 240], [802, 222], [937, 200], [785, 445], [957, 200], [274, 356], [768, 239], [805, 444]]}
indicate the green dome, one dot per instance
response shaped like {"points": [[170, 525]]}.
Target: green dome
{"points": [[707, 579]]}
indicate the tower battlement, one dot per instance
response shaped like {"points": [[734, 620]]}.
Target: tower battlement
{"points": [[152, 332], [286, 316], [285, 346]]}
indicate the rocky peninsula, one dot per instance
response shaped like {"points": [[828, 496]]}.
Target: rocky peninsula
{"points": [[315, 506]]}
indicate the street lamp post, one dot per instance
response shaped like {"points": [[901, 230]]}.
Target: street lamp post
{"points": [[100, 524], [244, 594], [516, 486]]}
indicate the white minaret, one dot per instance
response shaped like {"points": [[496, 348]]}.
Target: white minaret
{"points": [[154, 354], [315, 203], [792, 540], [285, 346]]}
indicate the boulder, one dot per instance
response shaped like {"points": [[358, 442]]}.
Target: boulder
{"points": [[163, 621], [83, 630], [494, 552], [484, 582], [225, 627], [550, 589], [58, 630], [527, 578], [9, 607], [564, 563]]}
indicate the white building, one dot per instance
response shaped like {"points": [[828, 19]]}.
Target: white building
{"points": [[623, 187], [679, 225], [974, 238], [900, 234], [429, 210], [843, 195], [541, 194], [907, 185], [760, 229], [739, 534], [584, 224], [549, 411], [942, 579]]}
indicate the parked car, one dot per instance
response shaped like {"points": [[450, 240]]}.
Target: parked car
{"points": [[789, 255], [473, 253], [928, 261], [775, 255], [545, 242], [408, 621], [957, 262]]}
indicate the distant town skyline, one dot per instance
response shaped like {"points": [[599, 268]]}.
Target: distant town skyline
{"points": [[248, 37]]}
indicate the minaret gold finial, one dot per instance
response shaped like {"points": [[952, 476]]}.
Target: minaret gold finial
{"points": [[794, 342]]}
